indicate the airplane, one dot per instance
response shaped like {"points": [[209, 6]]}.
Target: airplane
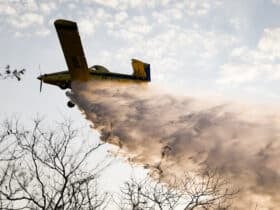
{"points": [[78, 69]]}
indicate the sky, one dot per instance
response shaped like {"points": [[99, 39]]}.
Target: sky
{"points": [[227, 48], [213, 48]]}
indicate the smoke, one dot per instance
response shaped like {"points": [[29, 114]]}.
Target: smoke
{"points": [[177, 134]]}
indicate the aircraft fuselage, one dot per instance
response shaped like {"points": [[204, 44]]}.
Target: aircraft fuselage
{"points": [[63, 78]]}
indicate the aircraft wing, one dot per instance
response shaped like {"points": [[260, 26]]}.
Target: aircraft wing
{"points": [[70, 41]]}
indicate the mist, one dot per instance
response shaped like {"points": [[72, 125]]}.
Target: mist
{"points": [[174, 134]]}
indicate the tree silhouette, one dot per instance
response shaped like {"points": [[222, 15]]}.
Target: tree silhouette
{"points": [[49, 172], [52, 169], [9, 73], [207, 190]]}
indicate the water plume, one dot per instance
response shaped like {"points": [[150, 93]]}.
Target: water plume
{"points": [[175, 134]]}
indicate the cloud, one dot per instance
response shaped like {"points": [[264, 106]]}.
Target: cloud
{"points": [[122, 4], [172, 50], [72, 6], [167, 15], [87, 27], [190, 7], [26, 20], [129, 28], [269, 43], [250, 65], [193, 8], [197, 8], [136, 16], [88, 22], [46, 8], [107, 3], [238, 23], [277, 2], [43, 32], [168, 11], [120, 17], [6, 9], [30, 5]]}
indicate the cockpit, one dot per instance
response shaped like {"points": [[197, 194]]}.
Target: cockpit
{"points": [[99, 68]]}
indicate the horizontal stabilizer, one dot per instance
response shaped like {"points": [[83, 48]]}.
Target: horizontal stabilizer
{"points": [[70, 41], [141, 70]]}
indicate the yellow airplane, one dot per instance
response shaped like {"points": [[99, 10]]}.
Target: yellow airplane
{"points": [[78, 69]]}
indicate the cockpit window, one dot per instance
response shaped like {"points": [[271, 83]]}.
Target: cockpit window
{"points": [[99, 68]]}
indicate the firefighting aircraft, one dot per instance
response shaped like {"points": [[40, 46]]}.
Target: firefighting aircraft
{"points": [[78, 69]]}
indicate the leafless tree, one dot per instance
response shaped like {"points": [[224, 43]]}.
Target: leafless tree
{"points": [[148, 194], [9, 151], [207, 190], [8, 146], [49, 171]]}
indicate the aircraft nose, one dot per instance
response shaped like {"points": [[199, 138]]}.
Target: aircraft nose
{"points": [[40, 77]]}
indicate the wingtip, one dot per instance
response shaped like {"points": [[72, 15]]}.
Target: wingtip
{"points": [[61, 23]]}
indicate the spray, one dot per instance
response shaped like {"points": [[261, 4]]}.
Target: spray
{"points": [[175, 134]]}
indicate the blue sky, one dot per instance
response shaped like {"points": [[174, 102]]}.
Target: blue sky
{"points": [[227, 48], [224, 48]]}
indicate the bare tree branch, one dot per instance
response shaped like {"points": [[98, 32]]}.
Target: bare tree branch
{"points": [[49, 173], [203, 190]]}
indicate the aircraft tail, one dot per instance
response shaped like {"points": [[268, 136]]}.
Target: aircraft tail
{"points": [[141, 70], [70, 41]]}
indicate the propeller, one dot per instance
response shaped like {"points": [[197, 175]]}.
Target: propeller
{"points": [[41, 85], [40, 78]]}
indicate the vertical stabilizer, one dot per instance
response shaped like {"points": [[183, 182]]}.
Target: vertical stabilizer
{"points": [[141, 70]]}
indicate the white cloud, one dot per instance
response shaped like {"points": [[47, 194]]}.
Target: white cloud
{"points": [[167, 15], [6, 9], [31, 5], [177, 10], [238, 23], [121, 16], [43, 32], [173, 48], [276, 2], [46, 8], [238, 73], [197, 7], [18, 34], [32, 12], [248, 72], [191, 7], [130, 28], [26, 20], [17, 16], [89, 21], [87, 27], [160, 17], [262, 63], [270, 43], [107, 3], [101, 15], [139, 24], [72, 6]]}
